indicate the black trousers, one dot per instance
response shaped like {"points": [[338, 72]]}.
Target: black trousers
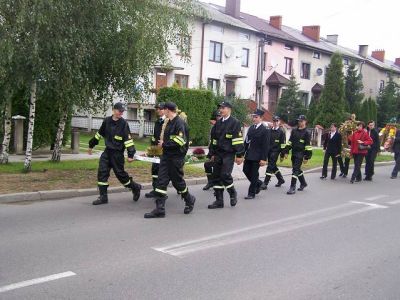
{"points": [[250, 169], [327, 156], [344, 166], [272, 168], [115, 160], [154, 174], [297, 162], [358, 160], [223, 167], [171, 169], [396, 168], [209, 170], [370, 163]]}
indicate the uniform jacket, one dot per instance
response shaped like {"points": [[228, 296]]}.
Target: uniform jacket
{"points": [[333, 145], [396, 143], [117, 136], [226, 137], [277, 140], [155, 139], [176, 138], [300, 143], [359, 135], [376, 145], [256, 143]]}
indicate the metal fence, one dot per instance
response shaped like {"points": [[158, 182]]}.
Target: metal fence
{"points": [[90, 124]]}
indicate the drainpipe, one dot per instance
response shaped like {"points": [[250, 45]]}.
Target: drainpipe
{"points": [[202, 53], [260, 72]]}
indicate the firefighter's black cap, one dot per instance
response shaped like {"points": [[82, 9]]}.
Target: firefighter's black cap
{"points": [[225, 104], [258, 112], [302, 118], [119, 106], [276, 118], [170, 106], [160, 105]]}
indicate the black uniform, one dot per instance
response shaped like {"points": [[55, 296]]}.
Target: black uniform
{"points": [[277, 148], [333, 149], [155, 139], [226, 144], [117, 138], [300, 144], [396, 150], [256, 147], [372, 153]]}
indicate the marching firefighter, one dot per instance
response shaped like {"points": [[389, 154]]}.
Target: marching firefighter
{"points": [[175, 144], [209, 165], [256, 146], [277, 149], [155, 140], [226, 149], [300, 144], [116, 133]]}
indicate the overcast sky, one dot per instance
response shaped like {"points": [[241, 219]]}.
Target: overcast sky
{"points": [[371, 22]]}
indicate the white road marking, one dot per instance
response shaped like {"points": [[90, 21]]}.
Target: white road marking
{"points": [[265, 230], [377, 197], [370, 204], [394, 202], [26, 283]]}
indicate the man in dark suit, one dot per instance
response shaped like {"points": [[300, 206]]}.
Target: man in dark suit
{"points": [[256, 152], [372, 152], [333, 149], [396, 150]]}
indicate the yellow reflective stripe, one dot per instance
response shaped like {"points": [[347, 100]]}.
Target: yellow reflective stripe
{"points": [[300, 174], [154, 176], [128, 183], [153, 139], [301, 141], [102, 183], [238, 143], [237, 139], [218, 187], [228, 136], [277, 141], [117, 137], [129, 143], [269, 174], [160, 191], [277, 172], [294, 176], [283, 146], [98, 136], [184, 191], [179, 141], [214, 142], [229, 186], [308, 148], [289, 143]]}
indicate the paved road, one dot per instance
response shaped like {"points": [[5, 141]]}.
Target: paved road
{"points": [[333, 241]]}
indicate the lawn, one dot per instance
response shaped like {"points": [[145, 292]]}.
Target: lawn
{"points": [[80, 174], [84, 137], [318, 158]]}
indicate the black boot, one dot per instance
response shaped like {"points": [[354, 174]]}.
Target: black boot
{"points": [[233, 195], [189, 203], [264, 185], [159, 211], [103, 198], [292, 189], [136, 188], [258, 187], [209, 184], [151, 194], [219, 199], [280, 179], [303, 183]]}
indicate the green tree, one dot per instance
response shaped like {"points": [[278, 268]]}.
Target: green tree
{"points": [[313, 110], [353, 89], [332, 103], [290, 105], [368, 110], [388, 103]]}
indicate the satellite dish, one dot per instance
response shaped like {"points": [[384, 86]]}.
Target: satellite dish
{"points": [[228, 51], [319, 71]]}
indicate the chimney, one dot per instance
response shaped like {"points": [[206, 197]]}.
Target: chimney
{"points": [[312, 32], [332, 38], [276, 21], [363, 50], [397, 62], [379, 55], [232, 8]]}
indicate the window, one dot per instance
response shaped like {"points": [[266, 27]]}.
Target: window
{"points": [[304, 98], [382, 85], [182, 80], [216, 28], [305, 70], [185, 42], [265, 61], [215, 52], [288, 66], [316, 55], [213, 84], [345, 61], [245, 57], [289, 47], [244, 36]]}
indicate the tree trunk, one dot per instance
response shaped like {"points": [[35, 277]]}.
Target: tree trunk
{"points": [[7, 133], [141, 122], [31, 125], [59, 138]]}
